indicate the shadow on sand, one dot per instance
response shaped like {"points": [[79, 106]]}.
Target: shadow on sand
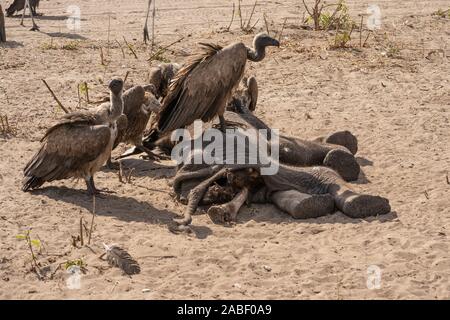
{"points": [[269, 213], [11, 44], [122, 207]]}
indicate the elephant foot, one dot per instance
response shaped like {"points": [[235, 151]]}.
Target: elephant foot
{"points": [[362, 206], [227, 213], [304, 206], [344, 163], [345, 139]]}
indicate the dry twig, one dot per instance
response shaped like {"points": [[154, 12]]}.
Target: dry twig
{"points": [[54, 97]]}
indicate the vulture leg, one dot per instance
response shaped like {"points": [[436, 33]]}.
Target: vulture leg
{"points": [[23, 13], [92, 190], [223, 124], [227, 213], [152, 156], [27, 4]]}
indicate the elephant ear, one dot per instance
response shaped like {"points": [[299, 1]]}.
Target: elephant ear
{"points": [[118, 257]]}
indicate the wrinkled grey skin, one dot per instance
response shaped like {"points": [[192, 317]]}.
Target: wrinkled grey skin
{"points": [[303, 192], [334, 151]]}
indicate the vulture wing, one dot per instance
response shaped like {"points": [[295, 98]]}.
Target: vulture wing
{"points": [[202, 87], [66, 149]]}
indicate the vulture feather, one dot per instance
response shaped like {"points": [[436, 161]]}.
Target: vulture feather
{"points": [[118, 257]]}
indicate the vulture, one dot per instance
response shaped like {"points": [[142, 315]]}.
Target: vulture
{"points": [[78, 146], [137, 108], [161, 76], [203, 86], [18, 5]]}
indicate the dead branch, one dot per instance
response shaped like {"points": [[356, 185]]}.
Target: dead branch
{"points": [[81, 232], [54, 97], [251, 16], [130, 47], [282, 29], [240, 14], [161, 50], [232, 17], [266, 23], [92, 221]]}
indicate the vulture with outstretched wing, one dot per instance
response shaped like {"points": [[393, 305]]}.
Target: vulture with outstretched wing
{"points": [[202, 88], [78, 146]]}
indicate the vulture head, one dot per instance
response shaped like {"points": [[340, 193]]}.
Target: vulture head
{"points": [[116, 101], [260, 42], [116, 86]]}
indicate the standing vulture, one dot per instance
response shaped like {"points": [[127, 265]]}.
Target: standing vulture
{"points": [[202, 88], [137, 108], [78, 146], [18, 5]]}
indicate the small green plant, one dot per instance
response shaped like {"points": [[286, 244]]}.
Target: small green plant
{"points": [[342, 38], [393, 51], [327, 20], [77, 263], [159, 56], [442, 13], [36, 243]]}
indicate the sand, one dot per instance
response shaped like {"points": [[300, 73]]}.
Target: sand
{"points": [[393, 95]]}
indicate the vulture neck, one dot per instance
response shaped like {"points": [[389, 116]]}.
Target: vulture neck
{"points": [[116, 105], [256, 54]]}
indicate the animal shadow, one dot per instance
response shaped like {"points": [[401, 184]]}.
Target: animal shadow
{"points": [[124, 208], [145, 168], [269, 213], [363, 162], [11, 44], [67, 35]]}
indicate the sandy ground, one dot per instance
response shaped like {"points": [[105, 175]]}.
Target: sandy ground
{"points": [[393, 95]]}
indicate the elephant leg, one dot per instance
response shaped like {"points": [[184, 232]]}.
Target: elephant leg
{"points": [[303, 206], [182, 177], [344, 163], [357, 205], [185, 188], [228, 212], [194, 198], [342, 138]]}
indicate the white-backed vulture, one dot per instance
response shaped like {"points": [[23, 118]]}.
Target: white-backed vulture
{"points": [[202, 87], [137, 108], [161, 76], [78, 146]]}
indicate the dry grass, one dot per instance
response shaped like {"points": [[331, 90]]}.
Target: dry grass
{"points": [[6, 129]]}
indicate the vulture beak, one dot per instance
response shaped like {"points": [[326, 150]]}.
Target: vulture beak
{"points": [[275, 43]]}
